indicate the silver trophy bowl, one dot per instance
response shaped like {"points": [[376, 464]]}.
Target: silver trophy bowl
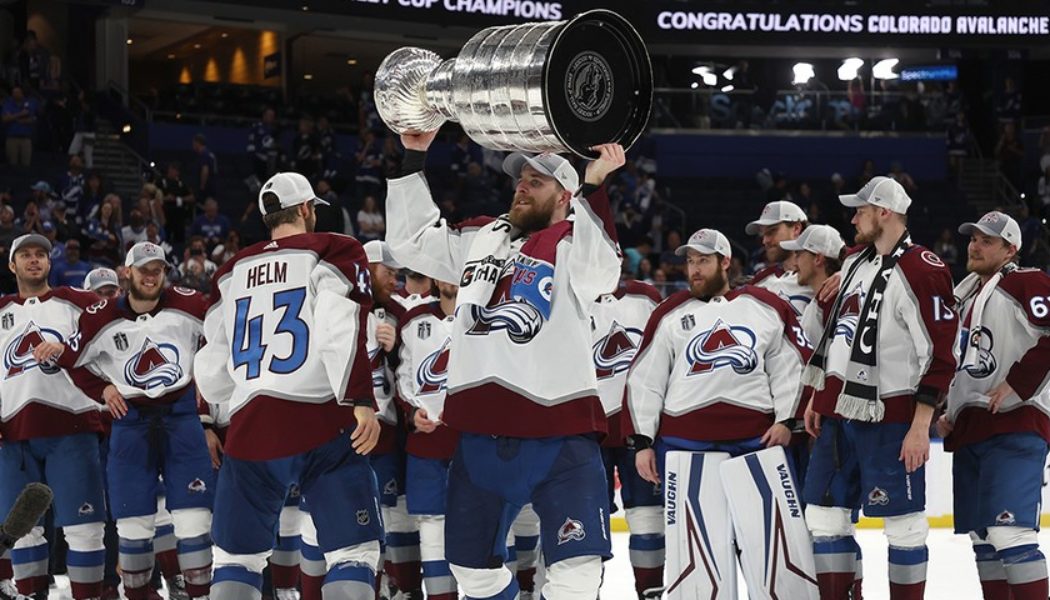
{"points": [[539, 87]]}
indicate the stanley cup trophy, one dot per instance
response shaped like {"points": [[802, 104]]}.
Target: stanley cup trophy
{"points": [[538, 87]]}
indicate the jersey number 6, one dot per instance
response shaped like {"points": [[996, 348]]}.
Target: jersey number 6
{"points": [[249, 352]]}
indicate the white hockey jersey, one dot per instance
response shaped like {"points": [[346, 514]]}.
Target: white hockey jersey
{"points": [[916, 333], [147, 357], [45, 400], [786, 286], [516, 371], [726, 369], [617, 323], [1012, 344], [286, 333], [422, 375]]}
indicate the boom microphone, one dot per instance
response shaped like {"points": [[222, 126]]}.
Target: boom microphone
{"points": [[29, 507]]}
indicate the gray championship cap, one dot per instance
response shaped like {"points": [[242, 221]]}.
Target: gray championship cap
{"points": [[818, 239], [884, 192], [379, 252], [29, 239], [548, 164], [706, 241], [143, 253], [780, 211], [995, 224], [100, 278], [285, 190]]}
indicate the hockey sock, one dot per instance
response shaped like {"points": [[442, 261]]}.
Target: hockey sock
{"points": [[195, 562], [437, 576], [165, 549], [1025, 568], [136, 566], [29, 563], [647, 559], [284, 562], [85, 559], [350, 581], [858, 577], [907, 568], [403, 563], [991, 572], [236, 582], [836, 559], [313, 569], [527, 554]]}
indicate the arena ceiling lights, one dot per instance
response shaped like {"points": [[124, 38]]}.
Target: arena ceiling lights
{"points": [[705, 73], [884, 69], [803, 73], [849, 69]]}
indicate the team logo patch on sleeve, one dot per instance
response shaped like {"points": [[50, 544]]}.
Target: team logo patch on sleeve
{"points": [[571, 530], [723, 345]]}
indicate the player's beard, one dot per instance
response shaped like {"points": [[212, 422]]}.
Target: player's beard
{"points": [[775, 254], [869, 237], [143, 295], [535, 215], [710, 286], [32, 282]]}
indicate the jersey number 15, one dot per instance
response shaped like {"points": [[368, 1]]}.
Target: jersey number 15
{"points": [[248, 346]]}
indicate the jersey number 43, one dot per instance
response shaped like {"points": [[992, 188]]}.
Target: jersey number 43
{"points": [[248, 347]]}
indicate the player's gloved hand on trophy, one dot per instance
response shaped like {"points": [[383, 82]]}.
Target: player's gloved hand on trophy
{"points": [[610, 158]]}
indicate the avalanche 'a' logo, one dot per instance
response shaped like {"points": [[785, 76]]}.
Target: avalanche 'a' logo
{"points": [[614, 352], [432, 374], [849, 315], [982, 341], [723, 345], [376, 360], [18, 356], [154, 365], [520, 320]]}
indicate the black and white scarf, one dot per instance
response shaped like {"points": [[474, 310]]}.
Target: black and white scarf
{"points": [[859, 399]]}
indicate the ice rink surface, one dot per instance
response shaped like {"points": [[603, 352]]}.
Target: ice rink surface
{"points": [[952, 574]]}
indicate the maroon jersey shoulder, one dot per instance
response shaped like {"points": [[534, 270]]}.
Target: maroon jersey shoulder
{"points": [[638, 288], [423, 310]]}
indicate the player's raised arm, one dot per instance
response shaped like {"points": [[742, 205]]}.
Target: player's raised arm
{"points": [[419, 238], [594, 264]]}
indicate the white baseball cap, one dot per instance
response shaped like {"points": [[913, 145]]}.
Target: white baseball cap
{"points": [[995, 224], [706, 241], [549, 164], [379, 252], [884, 192], [100, 278], [285, 190], [780, 211], [818, 239], [143, 253], [29, 239]]}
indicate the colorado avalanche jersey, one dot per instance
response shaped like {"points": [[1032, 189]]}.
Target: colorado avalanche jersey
{"points": [[44, 400], [726, 369], [522, 363], [1011, 344], [617, 322], [286, 333], [147, 357], [422, 375], [786, 286], [916, 332]]}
